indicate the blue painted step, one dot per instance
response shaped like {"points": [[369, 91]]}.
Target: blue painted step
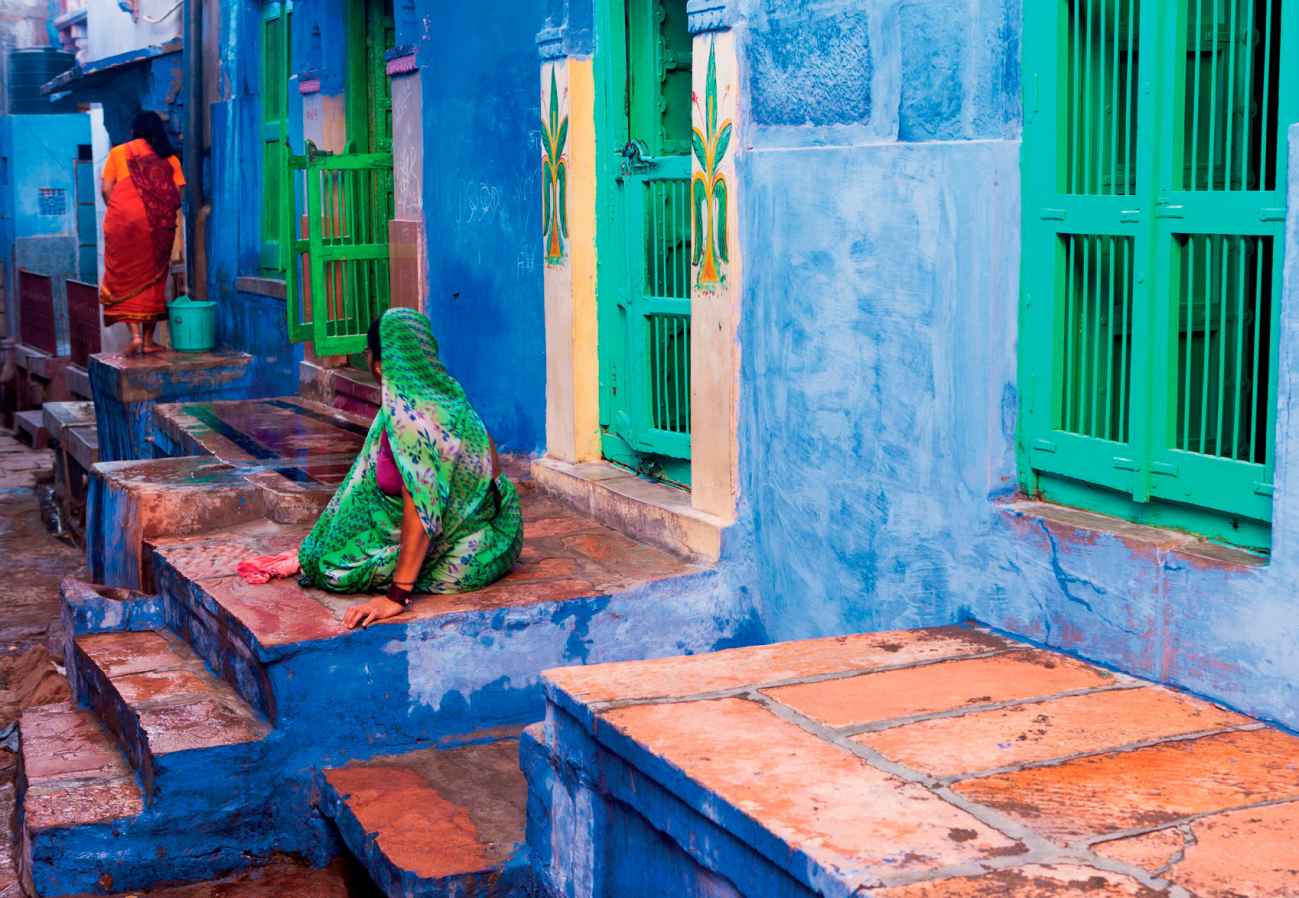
{"points": [[186, 732], [436, 823]]}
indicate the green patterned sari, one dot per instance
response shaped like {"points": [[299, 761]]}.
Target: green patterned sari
{"points": [[444, 457]]}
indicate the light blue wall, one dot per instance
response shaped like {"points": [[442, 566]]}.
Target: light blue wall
{"points": [[880, 230], [41, 151]]}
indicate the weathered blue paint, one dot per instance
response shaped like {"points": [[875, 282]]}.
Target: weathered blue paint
{"points": [[405, 685], [607, 820], [88, 608], [38, 152], [811, 68], [125, 400], [481, 112], [896, 370]]}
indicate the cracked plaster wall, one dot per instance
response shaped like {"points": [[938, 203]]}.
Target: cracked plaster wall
{"points": [[881, 216]]}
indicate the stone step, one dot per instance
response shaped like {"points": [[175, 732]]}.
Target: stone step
{"points": [[75, 787], [435, 822], [175, 720], [30, 427]]}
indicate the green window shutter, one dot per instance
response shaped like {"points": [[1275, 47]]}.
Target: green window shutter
{"points": [[645, 330], [1153, 175], [274, 134]]}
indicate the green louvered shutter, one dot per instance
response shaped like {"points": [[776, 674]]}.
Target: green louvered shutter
{"points": [[1154, 193]]}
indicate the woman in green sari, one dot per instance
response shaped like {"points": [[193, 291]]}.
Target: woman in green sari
{"points": [[425, 507]]}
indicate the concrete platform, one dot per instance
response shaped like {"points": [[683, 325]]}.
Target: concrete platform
{"points": [[165, 539], [949, 762], [434, 823], [30, 428], [128, 388], [158, 699]]}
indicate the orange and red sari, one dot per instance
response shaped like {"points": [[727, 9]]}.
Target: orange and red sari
{"points": [[143, 195]]}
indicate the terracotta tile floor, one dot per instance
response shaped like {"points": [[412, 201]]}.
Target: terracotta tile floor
{"points": [[953, 762]]}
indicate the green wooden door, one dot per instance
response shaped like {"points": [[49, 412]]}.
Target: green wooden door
{"points": [[276, 17], [338, 278], [645, 295], [1154, 160]]}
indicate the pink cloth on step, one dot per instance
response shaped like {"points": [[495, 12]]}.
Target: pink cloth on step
{"points": [[265, 568]]}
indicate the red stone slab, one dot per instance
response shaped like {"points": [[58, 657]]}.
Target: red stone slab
{"points": [[439, 814], [1253, 852], [180, 705], [141, 688], [59, 805], [1146, 787], [120, 654], [550, 569], [63, 742], [859, 823], [74, 771], [283, 879], [1034, 881], [199, 723], [769, 664], [950, 686], [276, 613], [1042, 731]]}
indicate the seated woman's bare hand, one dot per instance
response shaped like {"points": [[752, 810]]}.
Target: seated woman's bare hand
{"points": [[377, 609]]}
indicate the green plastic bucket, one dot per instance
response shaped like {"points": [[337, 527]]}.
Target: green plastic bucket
{"points": [[192, 324]]}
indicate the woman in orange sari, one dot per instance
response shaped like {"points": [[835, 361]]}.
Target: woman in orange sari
{"points": [[142, 181]]}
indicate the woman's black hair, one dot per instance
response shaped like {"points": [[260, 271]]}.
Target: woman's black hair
{"points": [[372, 340], [148, 124]]}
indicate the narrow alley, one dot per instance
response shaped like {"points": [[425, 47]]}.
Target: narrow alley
{"points": [[649, 448], [31, 674]]}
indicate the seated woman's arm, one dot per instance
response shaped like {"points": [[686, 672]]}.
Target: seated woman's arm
{"points": [[410, 558]]}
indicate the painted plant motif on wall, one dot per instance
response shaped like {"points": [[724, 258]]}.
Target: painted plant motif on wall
{"points": [[708, 187], [554, 177]]}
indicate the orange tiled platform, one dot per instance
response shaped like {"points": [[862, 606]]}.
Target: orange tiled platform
{"points": [[941, 762]]}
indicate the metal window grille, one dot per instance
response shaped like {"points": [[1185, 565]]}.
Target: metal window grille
{"points": [[1153, 206]]}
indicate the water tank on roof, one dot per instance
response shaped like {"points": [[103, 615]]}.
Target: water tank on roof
{"points": [[28, 71]]}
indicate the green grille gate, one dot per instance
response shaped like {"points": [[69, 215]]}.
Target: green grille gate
{"points": [[1153, 176], [645, 312], [338, 276]]}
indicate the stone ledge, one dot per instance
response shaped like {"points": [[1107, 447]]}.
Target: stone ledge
{"points": [[324, 384], [275, 288], [652, 512], [1143, 534]]}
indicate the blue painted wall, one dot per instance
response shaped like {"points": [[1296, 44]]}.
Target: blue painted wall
{"points": [[879, 176], [878, 409], [481, 108], [37, 151]]}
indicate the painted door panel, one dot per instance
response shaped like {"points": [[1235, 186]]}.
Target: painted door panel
{"points": [[645, 319]]}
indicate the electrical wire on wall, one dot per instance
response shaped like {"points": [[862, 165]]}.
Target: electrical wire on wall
{"points": [[133, 7]]}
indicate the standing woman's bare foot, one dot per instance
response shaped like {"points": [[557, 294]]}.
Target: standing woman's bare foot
{"points": [[148, 344]]}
